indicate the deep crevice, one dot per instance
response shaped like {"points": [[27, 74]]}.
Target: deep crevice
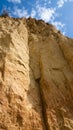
{"points": [[19, 119], [43, 106], [2, 63]]}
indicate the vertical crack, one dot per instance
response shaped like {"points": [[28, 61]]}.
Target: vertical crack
{"points": [[43, 106], [2, 63]]}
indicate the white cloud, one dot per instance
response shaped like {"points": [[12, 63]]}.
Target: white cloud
{"points": [[58, 25], [20, 12], [47, 14], [33, 13], [47, 2], [14, 1], [60, 3]]}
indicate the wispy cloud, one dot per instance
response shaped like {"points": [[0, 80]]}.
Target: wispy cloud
{"points": [[14, 1], [58, 24], [33, 13], [20, 12], [47, 2], [60, 3], [47, 14]]}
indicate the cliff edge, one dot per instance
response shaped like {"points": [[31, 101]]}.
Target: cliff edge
{"points": [[36, 76]]}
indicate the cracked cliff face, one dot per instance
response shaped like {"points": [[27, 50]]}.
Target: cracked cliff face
{"points": [[36, 76]]}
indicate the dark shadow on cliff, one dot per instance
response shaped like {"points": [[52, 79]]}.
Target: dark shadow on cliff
{"points": [[36, 100], [4, 49]]}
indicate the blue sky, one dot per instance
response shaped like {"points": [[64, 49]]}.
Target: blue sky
{"points": [[56, 12]]}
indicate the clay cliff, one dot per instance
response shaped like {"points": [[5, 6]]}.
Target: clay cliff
{"points": [[36, 76]]}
